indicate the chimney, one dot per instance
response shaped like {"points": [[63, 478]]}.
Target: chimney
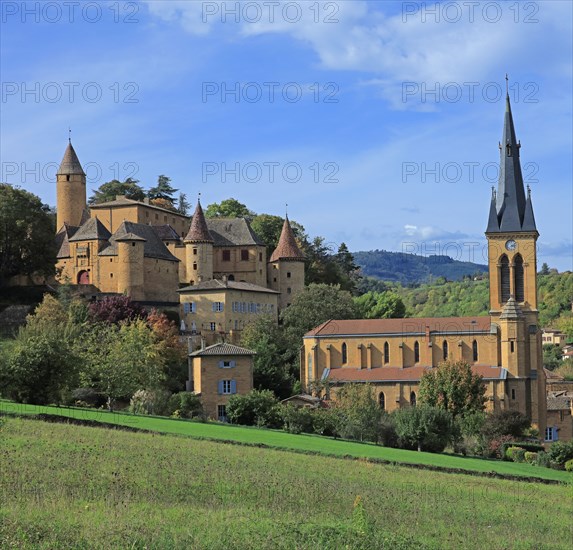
{"points": [[146, 200]]}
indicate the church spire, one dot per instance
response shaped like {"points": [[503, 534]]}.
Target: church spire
{"points": [[199, 232], [287, 249], [70, 164], [511, 203]]}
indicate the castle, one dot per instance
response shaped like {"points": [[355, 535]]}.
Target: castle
{"points": [[215, 272], [505, 347]]}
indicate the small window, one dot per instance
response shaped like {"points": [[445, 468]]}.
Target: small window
{"points": [[445, 349], [513, 393], [413, 399], [289, 290], [195, 252], [260, 256], [218, 307], [288, 274], [67, 177], [512, 346], [226, 255], [344, 354], [382, 401], [231, 277], [111, 275], [194, 266], [244, 255], [274, 279], [227, 387], [189, 307], [475, 350], [416, 352], [550, 433], [222, 413], [213, 326], [386, 353]]}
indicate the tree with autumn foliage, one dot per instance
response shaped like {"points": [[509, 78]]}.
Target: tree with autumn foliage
{"points": [[453, 387], [115, 309]]}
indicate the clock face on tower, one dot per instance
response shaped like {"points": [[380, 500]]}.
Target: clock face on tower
{"points": [[511, 245]]}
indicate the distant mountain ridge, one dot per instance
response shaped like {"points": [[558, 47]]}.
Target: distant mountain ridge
{"points": [[410, 268]]}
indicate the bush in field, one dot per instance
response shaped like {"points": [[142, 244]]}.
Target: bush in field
{"points": [[569, 466], [543, 460], [296, 419], [531, 458], [516, 454], [325, 421], [424, 428], [503, 423], [358, 413], [149, 402], [560, 452], [257, 408], [185, 405]]}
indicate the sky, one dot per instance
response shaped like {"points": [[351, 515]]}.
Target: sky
{"points": [[376, 122]]}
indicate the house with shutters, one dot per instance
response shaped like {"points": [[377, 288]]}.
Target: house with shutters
{"points": [[216, 373]]}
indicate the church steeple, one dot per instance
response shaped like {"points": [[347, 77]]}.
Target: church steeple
{"points": [[511, 204], [70, 190], [70, 164]]}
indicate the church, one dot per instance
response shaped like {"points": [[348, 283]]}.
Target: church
{"points": [[214, 272], [504, 347]]}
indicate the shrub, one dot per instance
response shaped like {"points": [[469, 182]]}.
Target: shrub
{"points": [[387, 433], [526, 445], [504, 423], [495, 447], [531, 458], [543, 460], [185, 405], [560, 452], [149, 402], [257, 408], [88, 396], [517, 454], [324, 422], [296, 419], [569, 465]]}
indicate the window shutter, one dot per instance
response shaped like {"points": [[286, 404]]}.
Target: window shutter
{"points": [[221, 364], [186, 307], [233, 364], [220, 387], [193, 307], [214, 306], [233, 386]]}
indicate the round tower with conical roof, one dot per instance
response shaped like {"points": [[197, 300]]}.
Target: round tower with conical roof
{"points": [[70, 190], [199, 249], [130, 257], [285, 270]]}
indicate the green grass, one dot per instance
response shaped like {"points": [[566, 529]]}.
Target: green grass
{"points": [[66, 486], [283, 440]]}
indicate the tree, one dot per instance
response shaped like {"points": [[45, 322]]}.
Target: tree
{"points": [[505, 423], [565, 325], [109, 190], [114, 309], [424, 428], [349, 271], [453, 387], [380, 305], [229, 208], [359, 414], [163, 203], [183, 205], [271, 370], [163, 190], [544, 269], [316, 304], [27, 244], [552, 356], [256, 408]]}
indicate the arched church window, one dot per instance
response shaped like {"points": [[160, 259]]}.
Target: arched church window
{"points": [[416, 352], [413, 399], [445, 349], [505, 286], [344, 354], [518, 274], [475, 350], [386, 352], [382, 400]]}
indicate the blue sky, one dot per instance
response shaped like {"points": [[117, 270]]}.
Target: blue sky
{"points": [[377, 122]]}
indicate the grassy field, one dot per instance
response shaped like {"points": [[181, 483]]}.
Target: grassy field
{"points": [[65, 486], [283, 440]]}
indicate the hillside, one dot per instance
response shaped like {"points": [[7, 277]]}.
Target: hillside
{"points": [[67, 486], [412, 269]]}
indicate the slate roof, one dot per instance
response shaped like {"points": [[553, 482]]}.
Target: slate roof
{"points": [[166, 232], [92, 230], [218, 284], [63, 240], [222, 349], [413, 325], [152, 248], [232, 232], [510, 210], [559, 402], [198, 232], [398, 374], [287, 248], [122, 200], [70, 164]]}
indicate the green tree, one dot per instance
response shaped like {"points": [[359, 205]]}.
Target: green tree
{"points": [[27, 244], [109, 190], [256, 408], [271, 370], [316, 304], [453, 387], [424, 428], [380, 305], [229, 208], [505, 423], [552, 356], [544, 269], [359, 414], [183, 205], [163, 190]]}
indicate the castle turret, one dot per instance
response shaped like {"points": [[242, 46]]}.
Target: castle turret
{"points": [[199, 249], [285, 270], [130, 253], [70, 190]]}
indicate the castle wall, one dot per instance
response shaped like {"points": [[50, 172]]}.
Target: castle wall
{"points": [[250, 270]]}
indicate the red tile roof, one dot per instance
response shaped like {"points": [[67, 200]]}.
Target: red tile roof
{"points": [[199, 232], [414, 325], [397, 374], [287, 249]]}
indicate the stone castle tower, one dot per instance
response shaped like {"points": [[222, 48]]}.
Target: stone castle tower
{"points": [[285, 270], [130, 257], [70, 190], [198, 249], [512, 256]]}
